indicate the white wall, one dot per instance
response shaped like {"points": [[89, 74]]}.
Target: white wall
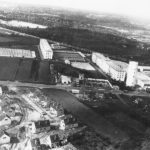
{"points": [[131, 73], [46, 50]]}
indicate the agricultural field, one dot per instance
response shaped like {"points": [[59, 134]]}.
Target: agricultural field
{"points": [[8, 68], [16, 69]]}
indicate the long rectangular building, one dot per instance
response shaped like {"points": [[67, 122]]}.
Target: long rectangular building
{"points": [[115, 69], [8, 52], [46, 51]]}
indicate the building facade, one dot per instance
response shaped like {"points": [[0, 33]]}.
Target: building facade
{"points": [[131, 73], [8, 52], [46, 51], [115, 69]]}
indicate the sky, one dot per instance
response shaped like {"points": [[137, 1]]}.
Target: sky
{"points": [[133, 8]]}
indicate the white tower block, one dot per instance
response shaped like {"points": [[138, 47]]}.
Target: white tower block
{"points": [[131, 73]]}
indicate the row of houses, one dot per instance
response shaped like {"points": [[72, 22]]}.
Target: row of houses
{"points": [[65, 123], [10, 115], [6, 138], [48, 142]]}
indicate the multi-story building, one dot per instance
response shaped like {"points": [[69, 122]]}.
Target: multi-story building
{"points": [[131, 73], [8, 52], [142, 80], [46, 51], [39, 126], [115, 69]]}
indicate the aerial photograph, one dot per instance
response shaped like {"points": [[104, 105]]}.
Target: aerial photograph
{"points": [[74, 75]]}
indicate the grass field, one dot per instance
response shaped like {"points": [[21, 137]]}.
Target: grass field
{"points": [[16, 69], [8, 68], [6, 39]]}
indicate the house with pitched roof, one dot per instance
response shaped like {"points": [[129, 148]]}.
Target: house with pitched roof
{"points": [[68, 122], [56, 109], [39, 126], [4, 120], [48, 142], [4, 138]]}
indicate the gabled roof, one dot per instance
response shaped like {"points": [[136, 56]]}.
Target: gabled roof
{"points": [[2, 116], [70, 120], [56, 106], [42, 123], [3, 133]]}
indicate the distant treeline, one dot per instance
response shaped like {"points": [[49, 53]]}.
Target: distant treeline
{"points": [[96, 41]]}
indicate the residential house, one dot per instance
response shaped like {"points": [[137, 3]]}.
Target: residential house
{"points": [[4, 138], [4, 120], [65, 79], [39, 126], [55, 141], [56, 109], [35, 144], [48, 142], [10, 111], [17, 117], [14, 140], [68, 122]]}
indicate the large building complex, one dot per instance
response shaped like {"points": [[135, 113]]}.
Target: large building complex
{"points": [[138, 75], [142, 80], [9, 52], [131, 73], [115, 69], [46, 51]]}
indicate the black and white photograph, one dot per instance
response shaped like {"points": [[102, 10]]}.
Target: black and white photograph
{"points": [[74, 74]]}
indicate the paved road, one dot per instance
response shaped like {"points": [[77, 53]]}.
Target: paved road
{"points": [[86, 115]]}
